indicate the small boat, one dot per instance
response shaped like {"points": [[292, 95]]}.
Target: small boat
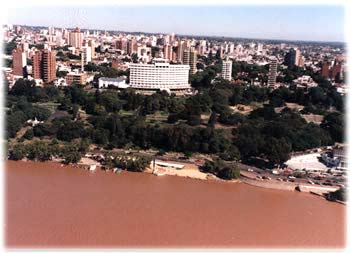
{"points": [[92, 167], [117, 171]]}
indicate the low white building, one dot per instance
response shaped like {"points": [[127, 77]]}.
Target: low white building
{"points": [[119, 82], [304, 81]]}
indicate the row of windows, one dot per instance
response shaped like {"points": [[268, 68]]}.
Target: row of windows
{"points": [[160, 86], [160, 68]]}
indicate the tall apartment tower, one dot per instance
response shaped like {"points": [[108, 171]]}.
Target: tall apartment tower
{"points": [[91, 43], [297, 57], [180, 51], [44, 65], [227, 70], [85, 56], [122, 44], [292, 58], [190, 58], [325, 69], [272, 72], [168, 52], [131, 47], [19, 61], [231, 48], [76, 38]]}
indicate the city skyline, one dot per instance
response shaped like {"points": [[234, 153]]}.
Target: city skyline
{"points": [[262, 22]]}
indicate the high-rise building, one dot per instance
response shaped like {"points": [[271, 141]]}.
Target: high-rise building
{"points": [[180, 51], [202, 47], [144, 53], [289, 58], [172, 37], [85, 56], [226, 47], [336, 69], [226, 70], [231, 48], [239, 49], [51, 30], [19, 62], [91, 44], [297, 57], [166, 39], [301, 61], [76, 38], [25, 47], [272, 72], [292, 58], [131, 47], [190, 58], [221, 51], [44, 65], [325, 69], [122, 44], [168, 52], [160, 75]]}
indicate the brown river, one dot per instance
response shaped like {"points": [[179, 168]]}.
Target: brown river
{"points": [[50, 206]]}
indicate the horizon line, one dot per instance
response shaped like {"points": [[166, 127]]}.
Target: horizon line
{"points": [[193, 35]]}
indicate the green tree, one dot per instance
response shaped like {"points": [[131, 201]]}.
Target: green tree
{"points": [[334, 124], [229, 173], [18, 152]]}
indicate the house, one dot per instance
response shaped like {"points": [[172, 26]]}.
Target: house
{"points": [[119, 82]]}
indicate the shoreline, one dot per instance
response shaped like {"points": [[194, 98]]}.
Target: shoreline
{"points": [[246, 179]]}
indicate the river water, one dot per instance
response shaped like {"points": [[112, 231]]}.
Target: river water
{"points": [[52, 206]]}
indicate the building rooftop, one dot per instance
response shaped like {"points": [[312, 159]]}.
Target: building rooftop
{"points": [[113, 79]]}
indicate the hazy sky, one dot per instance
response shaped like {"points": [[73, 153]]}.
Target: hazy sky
{"points": [[319, 23]]}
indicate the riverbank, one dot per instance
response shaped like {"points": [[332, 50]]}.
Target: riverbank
{"points": [[190, 170], [251, 179], [67, 207]]}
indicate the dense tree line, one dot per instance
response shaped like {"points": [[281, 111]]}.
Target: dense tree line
{"points": [[44, 151], [263, 133]]}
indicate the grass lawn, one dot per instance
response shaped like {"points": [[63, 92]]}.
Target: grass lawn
{"points": [[52, 106], [157, 116]]}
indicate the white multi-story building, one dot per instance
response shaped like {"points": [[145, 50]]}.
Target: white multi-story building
{"points": [[271, 82], [227, 70], [160, 75], [144, 53], [85, 55], [231, 48]]}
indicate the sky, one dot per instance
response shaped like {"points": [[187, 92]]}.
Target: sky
{"points": [[304, 22]]}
